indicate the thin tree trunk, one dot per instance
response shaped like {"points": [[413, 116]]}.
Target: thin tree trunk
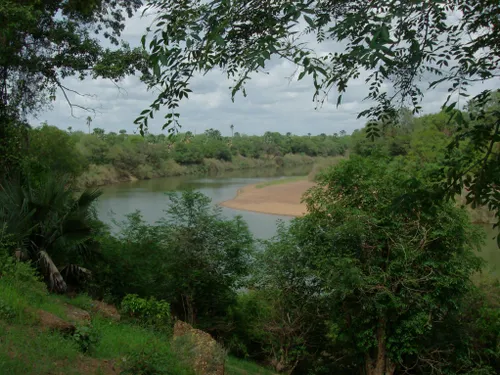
{"points": [[381, 364]]}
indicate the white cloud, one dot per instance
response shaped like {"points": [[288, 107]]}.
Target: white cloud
{"points": [[274, 102]]}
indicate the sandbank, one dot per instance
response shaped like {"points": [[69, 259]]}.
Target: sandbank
{"points": [[281, 199]]}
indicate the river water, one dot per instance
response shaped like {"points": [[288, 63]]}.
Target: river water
{"points": [[149, 197]]}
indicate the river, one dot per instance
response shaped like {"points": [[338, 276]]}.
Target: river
{"points": [[148, 196]]}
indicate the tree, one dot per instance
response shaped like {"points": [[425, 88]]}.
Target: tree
{"points": [[194, 258], [291, 313], [13, 144], [52, 151], [399, 43], [232, 130], [43, 42], [51, 227], [89, 121], [99, 132], [387, 270], [213, 134]]}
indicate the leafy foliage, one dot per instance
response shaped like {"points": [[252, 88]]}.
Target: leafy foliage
{"points": [[43, 42], [49, 226], [13, 144], [100, 158], [52, 151], [86, 337], [149, 312], [194, 259], [372, 281], [446, 44]]}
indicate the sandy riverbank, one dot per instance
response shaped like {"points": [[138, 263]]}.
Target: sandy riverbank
{"points": [[282, 199]]}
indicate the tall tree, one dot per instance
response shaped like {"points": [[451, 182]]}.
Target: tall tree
{"points": [[89, 121], [392, 266], [449, 44]]}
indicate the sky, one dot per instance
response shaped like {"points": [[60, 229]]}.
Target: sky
{"points": [[275, 102]]}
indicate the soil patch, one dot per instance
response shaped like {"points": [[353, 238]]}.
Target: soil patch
{"points": [[281, 199]]}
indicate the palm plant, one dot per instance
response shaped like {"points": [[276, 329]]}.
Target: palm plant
{"points": [[51, 225]]}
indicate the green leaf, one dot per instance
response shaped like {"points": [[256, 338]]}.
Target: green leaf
{"points": [[384, 33], [156, 70], [219, 40], [310, 21], [450, 107]]}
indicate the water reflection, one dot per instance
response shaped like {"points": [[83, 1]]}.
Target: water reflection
{"points": [[149, 196]]}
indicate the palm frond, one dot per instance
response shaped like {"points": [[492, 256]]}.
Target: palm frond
{"points": [[88, 197], [55, 226], [76, 272], [15, 213]]}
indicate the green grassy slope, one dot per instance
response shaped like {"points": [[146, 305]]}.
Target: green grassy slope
{"points": [[104, 347]]}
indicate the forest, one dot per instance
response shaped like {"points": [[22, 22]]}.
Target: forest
{"points": [[382, 276], [101, 158]]}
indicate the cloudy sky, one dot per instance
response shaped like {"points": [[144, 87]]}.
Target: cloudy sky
{"points": [[274, 101]]}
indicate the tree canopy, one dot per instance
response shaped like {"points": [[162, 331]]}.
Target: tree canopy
{"points": [[414, 46], [43, 42]]}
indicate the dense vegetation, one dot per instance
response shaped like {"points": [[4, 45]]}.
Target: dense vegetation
{"points": [[381, 276], [376, 279], [99, 158]]}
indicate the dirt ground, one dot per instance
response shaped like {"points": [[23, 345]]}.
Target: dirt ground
{"points": [[281, 199]]}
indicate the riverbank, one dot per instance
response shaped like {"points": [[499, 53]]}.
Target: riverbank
{"points": [[101, 175], [284, 196], [281, 197]]}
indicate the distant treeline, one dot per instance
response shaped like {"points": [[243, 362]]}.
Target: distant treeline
{"points": [[99, 158]]}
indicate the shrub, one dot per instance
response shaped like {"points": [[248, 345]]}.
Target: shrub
{"points": [[153, 360], [86, 336], [21, 276], [170, 168], [98, 175], [149, 312], [144, 172], [7, 313]]}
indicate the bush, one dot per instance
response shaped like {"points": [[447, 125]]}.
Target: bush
{"points": [[7, 313], [86, 337], [144, 172], [21, 276], [149, 312], [153, 360]]}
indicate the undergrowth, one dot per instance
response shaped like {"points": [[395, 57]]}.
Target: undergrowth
{"points": [[129, 348]]}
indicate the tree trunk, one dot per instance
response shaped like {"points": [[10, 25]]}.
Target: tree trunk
{"points": [[51, 273], [381, 364]]}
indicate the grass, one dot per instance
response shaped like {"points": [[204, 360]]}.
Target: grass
{"points": [[82, 301], [118, 338], [281, 181], [26, 348], [236, 366]]}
